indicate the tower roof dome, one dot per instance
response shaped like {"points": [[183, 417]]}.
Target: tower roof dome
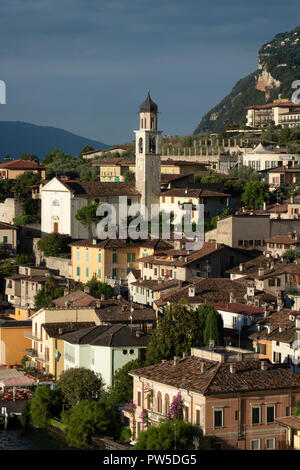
{"points": [[148, 106]]}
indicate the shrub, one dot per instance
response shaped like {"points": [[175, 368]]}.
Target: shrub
{"points": [[54, 244], [44, 404], [88, 419], [79, 383]]}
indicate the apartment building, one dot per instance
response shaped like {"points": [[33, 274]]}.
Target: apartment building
{"points": [[226, 392]]}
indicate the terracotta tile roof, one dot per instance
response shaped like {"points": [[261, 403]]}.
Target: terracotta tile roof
{"points": [[5, 226], [119, 311], [217, 378], [77, 298], [22, 165], [98, 188], [277, 327], [182, 257], [286, 104], [193, 192], [156, 285], [207, 290], [111, 336], [55, 330], [241, 308], [119, 243], [292, 422], [286, 239]]}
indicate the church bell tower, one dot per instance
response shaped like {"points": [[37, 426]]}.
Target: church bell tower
{"points": [[147, 155]]}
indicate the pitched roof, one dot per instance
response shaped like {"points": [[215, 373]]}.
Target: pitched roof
{"points": [[212, 290], [5, 226], [111, 336], [21, 165], [77, 298], [217, 378], [55, 330], [181, 257], [120, 311], [99, 188], [193, 192], [117, 243]]}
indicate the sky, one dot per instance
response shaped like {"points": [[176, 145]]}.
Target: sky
{"points": [[86, 65]]}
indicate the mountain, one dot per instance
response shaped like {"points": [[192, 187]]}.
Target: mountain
{"points": [[21, 137], [278, 67]]}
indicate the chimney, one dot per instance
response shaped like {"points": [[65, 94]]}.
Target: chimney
{"points": [[184, 354], [231, 298], [264, 206], [202, 367], [87, 290], [263, 365], [176, 359], [232, 368], [102, 297], [242, 267], [66, 291], [138, 333]]}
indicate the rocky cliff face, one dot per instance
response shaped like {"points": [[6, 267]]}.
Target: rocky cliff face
{"points": [[278, 67]]}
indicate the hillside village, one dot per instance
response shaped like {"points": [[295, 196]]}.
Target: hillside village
{"points": [[207, 336]]}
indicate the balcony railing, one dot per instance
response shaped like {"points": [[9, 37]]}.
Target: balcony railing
{"points": [[31, 352], [31, 336]]}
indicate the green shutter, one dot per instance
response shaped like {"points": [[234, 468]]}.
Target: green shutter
{"points": [[78, 271], [99, 273], [114, 257], [99, 257]]}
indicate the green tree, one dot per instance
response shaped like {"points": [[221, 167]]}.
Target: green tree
{"points": [[79, 383], [171, 433], [122, 389], [86, 215], [24, 259], [44, 298], [3, 251], [175, 334], [44, 404], [29, 156], [296, 409], [99, 288], [89, 419], [291, 255], [213, 327], [87, 148], [255, 193], [7, 269], [129, 176], [54, 244]]}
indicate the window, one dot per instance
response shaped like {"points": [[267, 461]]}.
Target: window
{"points": [[77, 255], [198, 417], [5, 239], [86, 272], [99, 273], [86, 256], [99, 257], [270, 443], [114, 273], [218, 418], [78, 271], [114, 257], [255, 444], [256, 415], [236, 415], [130, 257], [139, 398], [287, 411], [159, 403], [186, 413], [270, 413]]}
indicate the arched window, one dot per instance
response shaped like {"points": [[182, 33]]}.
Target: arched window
{"points": [[167, 404], [152, 144], [142, 123], [159, 403], [140, 145]]}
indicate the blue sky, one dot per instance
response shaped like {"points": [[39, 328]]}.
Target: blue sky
{"points": [[86, 65]]}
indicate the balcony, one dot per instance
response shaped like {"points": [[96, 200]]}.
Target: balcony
{"points": [[156, 417], [29, 335], [31, 352]]}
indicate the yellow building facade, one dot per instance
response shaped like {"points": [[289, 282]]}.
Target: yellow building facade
{"points": [[105, 260]]}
